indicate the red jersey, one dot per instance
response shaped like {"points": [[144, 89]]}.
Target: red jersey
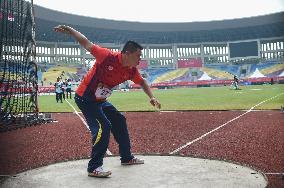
{"points": [[107, 71]]}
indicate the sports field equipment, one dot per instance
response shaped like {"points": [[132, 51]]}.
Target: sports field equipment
{"points": [[18, 71]]}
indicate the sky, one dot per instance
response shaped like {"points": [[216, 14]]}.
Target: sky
{"points": [[165, 10]]}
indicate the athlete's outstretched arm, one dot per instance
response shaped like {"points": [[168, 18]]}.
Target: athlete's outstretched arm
{"points": [[148, 91], [76, 34]]}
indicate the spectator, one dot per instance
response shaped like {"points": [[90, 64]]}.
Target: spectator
{"points": [[58, 90], [68, 88], [63, 87]]}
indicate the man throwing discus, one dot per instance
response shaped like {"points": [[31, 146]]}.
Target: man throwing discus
{"points": [[111, 68]]}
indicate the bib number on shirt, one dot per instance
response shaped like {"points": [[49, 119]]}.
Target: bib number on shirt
{"points": [[102, 92]]}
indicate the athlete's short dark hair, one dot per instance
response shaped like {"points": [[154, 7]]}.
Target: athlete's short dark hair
{"points": [[131, 47]]}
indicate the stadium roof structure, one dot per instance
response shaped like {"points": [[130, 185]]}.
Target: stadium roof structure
{"points": [[111, 31]]}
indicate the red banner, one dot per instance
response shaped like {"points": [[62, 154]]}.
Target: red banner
{"points": [[143, 64], [46, 89], [190, 63]]}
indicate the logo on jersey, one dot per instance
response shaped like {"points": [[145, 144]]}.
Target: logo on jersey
{"points": [[110, 68]]}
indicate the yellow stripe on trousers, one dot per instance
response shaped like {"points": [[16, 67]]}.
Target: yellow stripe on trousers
{"points": [[99, 135]]}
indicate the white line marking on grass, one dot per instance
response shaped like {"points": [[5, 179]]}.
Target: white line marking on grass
{"points": [[77, 113], [274, 173], [206, 134], [83, 120], [169, 111]]}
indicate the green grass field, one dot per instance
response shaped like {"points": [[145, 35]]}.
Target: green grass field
{"points": [[206, 98]]}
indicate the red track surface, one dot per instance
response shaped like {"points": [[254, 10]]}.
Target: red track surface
{"points": [[255, 139]]}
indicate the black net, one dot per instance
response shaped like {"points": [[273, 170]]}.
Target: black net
{"points": [[18, 72]]}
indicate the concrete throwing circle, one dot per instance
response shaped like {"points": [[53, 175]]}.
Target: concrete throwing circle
{"points": [[158, 171]]}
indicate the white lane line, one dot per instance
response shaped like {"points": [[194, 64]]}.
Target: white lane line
{"points": [[206, 134], [83, 120]]}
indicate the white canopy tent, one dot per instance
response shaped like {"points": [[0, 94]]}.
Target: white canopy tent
{"points": [[281, 75], [205, 77], [257, 74]]}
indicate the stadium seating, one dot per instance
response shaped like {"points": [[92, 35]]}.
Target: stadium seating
{"points": [[216, 72], [273, 70], [171, 75], [154, 73], [247, 29]]}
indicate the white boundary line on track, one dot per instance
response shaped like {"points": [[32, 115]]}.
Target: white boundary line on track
{"points": [[206, 134], [83, 120]]}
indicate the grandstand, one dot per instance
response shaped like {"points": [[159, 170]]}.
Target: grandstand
{"points": [[220, 49]]}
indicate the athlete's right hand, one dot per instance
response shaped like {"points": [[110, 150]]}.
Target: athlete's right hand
{"points": [[155, 103], [63, 29]]}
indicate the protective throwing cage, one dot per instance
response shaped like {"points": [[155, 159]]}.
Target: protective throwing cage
{"points": [[18, 71]]}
